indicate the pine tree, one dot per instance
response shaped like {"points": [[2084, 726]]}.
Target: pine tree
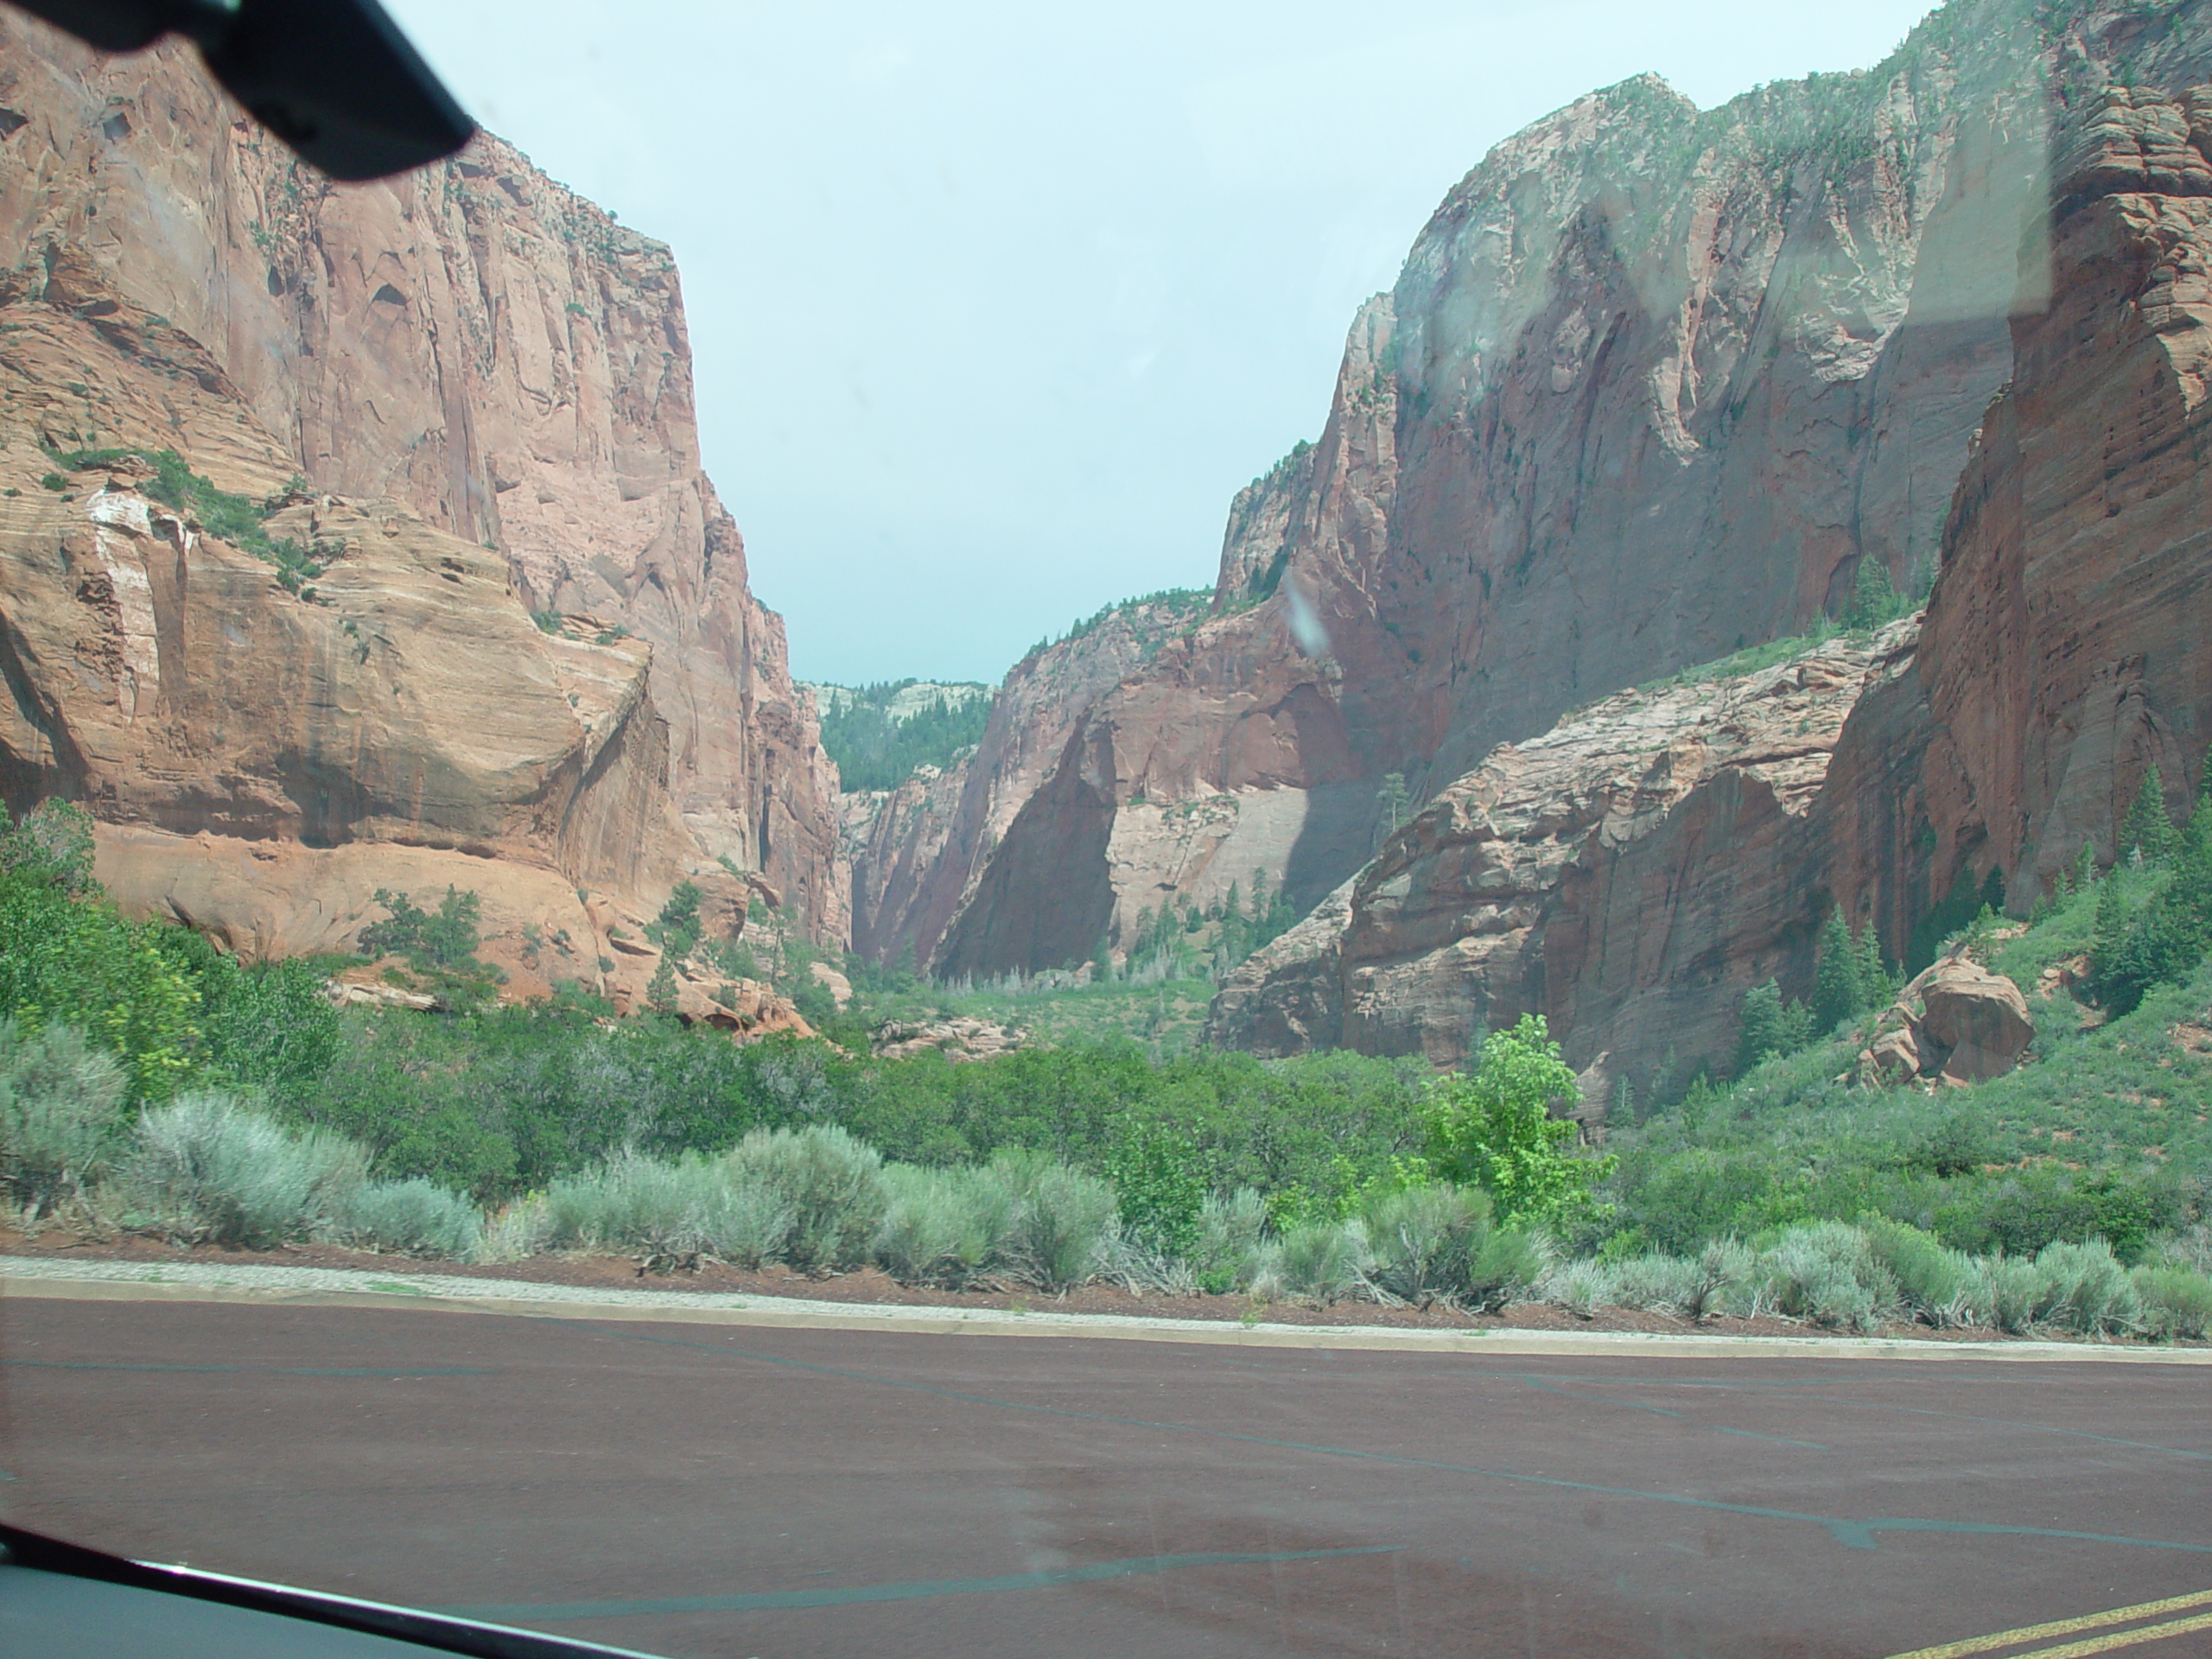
{"points": [[1876, 987], [2148, 830], [1760, 1034], [2085, 868], [1874, 596], [1837, 993]]}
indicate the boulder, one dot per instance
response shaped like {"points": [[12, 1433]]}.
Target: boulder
{"points": [[956, 1039], [1980, 1017], [1893, 1057]]}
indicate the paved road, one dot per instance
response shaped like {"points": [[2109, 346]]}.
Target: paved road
{"points": [[716, 1490]]}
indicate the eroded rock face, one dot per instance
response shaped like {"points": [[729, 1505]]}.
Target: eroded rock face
{"points": [[1628, 875], [1652, 384], [2065, 651], [472, 344], [916, 851]]}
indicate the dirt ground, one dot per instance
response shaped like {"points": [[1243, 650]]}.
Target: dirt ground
{"points": [[872, 1286]]}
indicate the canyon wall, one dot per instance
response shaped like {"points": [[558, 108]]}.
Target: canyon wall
{"points": [[915, 851], [1653, 383], [1633, 871], [472, 345]]}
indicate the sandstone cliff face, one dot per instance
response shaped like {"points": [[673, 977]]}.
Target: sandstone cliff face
{"points": [[1628, 874], [1651, 385], [472, 343], [915, 851], [2062, 653], [2065, 650]]}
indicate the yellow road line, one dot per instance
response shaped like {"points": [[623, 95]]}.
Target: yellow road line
{"points": [[2070, 1626], [2123, 1638]]}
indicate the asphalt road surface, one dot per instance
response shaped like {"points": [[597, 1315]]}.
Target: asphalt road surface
{"points": [[708, 1490]]}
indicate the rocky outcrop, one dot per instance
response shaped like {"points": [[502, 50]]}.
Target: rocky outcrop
{"points": [[915, 852], [959, 1040], [474, 348], [1629, 875], [1956, 1022], [1652, 384], [2060, 657]]}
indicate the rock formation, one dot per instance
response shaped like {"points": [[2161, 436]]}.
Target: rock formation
{"points": [[915, 851], [1629, 875], [2065, 651], [2062, 653], [524, 658], [1652, 384]]}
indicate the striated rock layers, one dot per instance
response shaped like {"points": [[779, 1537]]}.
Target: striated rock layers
{"points": [[532, 665], [1628, 875], [2062, 653], [915, 851], [1651, 385], [2065, 650]]}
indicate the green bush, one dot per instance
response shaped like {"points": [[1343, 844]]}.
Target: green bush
{"points": [[1828, 1272], [1492, 1128], [1939, 1284], [1320, 1262], [1231, 1231], [1061, 1219], [2175, 1302], [209, 1169], [943, 1227], [1436, 1242], [2082, 1288], [61, 1115], [408, 1218], [830, 1184], [672, 1208]]}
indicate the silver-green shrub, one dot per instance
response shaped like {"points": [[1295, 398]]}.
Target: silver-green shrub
{"points": [[209, 1168], [1827, 1273], [943, 1227], [1663, 1284], [413, 1218], [61, 1115], [1580, 1287], [2175, 1301], [690, 1206], [1321, 1261], [2010, 1290], [2084, 1289], [1061, 1219], [1940, 1286], [830, 1183], [1232, 1232]]}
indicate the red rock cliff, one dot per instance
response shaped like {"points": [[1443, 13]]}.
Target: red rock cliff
{"points": [[1652, 383], [472, 343]]}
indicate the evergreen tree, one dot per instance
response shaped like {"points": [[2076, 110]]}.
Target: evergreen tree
{"points": [[2085, 868], [1874, 596], [1761, 1033], [1837, 993], [1391, 797], [1876, 987], [2148, 830]]}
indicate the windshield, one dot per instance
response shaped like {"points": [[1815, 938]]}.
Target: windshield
{"points": [[1460, 903]]}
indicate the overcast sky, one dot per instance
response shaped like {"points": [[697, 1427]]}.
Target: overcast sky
{"points": [[995, 306]]}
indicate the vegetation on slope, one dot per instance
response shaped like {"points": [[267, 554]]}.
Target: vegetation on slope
{"points": [[875, 747]]}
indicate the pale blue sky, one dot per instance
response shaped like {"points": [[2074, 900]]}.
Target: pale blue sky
{"points": [[995, 305]]}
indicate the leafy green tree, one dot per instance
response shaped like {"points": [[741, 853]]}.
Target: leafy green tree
{"points": [[66, 955], [2147, 830], [1838, 995], [442, 938], [2165, 940], [1159, 1176], [1492, 1128]]}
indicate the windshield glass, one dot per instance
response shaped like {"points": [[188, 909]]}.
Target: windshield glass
{"points": [[1124, 830]]}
